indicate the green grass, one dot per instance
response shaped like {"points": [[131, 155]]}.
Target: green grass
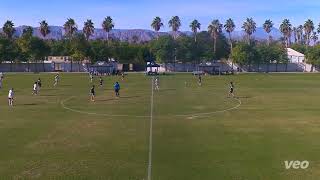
{"points": [[278, 120]]}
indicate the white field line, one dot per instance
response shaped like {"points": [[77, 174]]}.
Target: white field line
{"points": [[210, 113], [97, 114], [150, 132], [192, 116]]}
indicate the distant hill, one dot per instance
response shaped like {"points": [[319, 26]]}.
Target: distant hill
{"points": [[140, 35]]}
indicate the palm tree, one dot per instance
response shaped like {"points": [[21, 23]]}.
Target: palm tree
{"points": [[108, 25], [195, 26], [175, 24], [295, 34], [8, 29], [300, 33], [88, 28], [70, 27], [267, 26], [314, 37], [249, 26], [27, 31], [229, 26], [214, 30], [156, 25], [285, 29], [308, 29], [44, 28]]}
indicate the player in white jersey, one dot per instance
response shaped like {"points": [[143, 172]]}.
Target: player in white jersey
{"points": [[11, 97], [1, 82], [35, 88], [91, 77], [56, 80], [156, 84], [1, 79]]}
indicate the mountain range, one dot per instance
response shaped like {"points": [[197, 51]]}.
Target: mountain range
{"points": [[141, 35]]}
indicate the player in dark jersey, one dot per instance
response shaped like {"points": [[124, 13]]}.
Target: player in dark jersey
{"points": [[117, 89], [39, 83], [231, 91], [101, 81], [200, 80], [92, 93]]}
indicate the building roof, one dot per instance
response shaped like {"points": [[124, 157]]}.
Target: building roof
{"points": [[292, 52]]}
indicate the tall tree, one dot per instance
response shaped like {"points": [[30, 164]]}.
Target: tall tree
{"points": [[229, 26], [156, 25], [300, 33], [88, 29], [314, 37], [195, 26], [44, 28], [249, 27], [214, 29], [295, 34], [8, 29], [108, 25], [175, 24], [27, 31], [285, 29], [308, 29], [70, 27], [267, 26]]}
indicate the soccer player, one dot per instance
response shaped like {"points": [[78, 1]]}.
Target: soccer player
{"points": [[91, 77], [11, 97], [101, 81], [117, 89], [1, 80], [35, 88], [56, 80], [122, 76], [39, 83], [92, 93], [156, 84], [200, 80], [231, 92]]}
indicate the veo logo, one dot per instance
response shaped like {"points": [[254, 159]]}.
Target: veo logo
{"points": [[296, 164]]}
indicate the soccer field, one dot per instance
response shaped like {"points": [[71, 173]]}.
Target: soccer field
{"points": [[197, 132]]}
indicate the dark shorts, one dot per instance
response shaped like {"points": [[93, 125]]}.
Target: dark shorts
{"points": [[93, 94], [231, 90], [116, 90]]}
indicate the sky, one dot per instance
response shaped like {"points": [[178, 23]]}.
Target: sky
{"points": [[138, 14]]}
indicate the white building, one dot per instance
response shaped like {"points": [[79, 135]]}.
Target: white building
{"points": [[295, 56]]}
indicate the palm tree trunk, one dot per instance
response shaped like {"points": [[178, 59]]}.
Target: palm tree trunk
{"points": [[214, 45], [231, 45]]}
